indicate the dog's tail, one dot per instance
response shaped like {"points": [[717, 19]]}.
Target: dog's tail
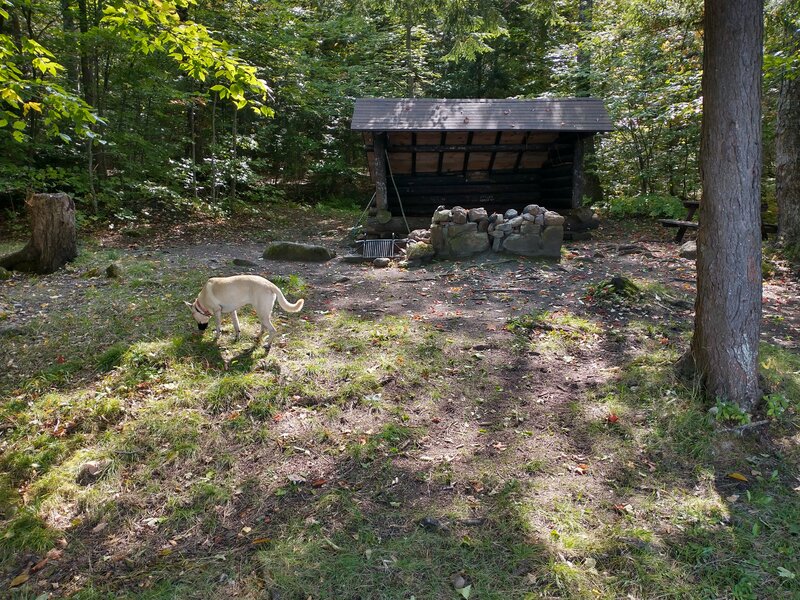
{"points": [[285, 304]]}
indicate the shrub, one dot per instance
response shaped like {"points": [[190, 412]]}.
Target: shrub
{"points": [[650, 205]]}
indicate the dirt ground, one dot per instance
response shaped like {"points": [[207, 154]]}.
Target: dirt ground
{"points": [[470, 302]]}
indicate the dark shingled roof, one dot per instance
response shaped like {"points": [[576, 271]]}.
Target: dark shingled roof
{"points": [[427, 114]]}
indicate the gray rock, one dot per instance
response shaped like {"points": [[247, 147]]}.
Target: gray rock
{"points": [[552, 238], [688, 250], [531, 209], [506, 227], [383, 216], [530, 228], [516, 221], [420, 251], [553, 218], [420, 235], [497, 243], [529, 216], [466, 243], [456, 229], [92, 471], [510, 214], [437, 237], [483, 225], [298, 252], [442, 216], [524, 245], [477, 214], [114, 271], [243, 262], [381, 263], [459, 214], [539, 219]]}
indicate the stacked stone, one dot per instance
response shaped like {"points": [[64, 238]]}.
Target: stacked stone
{"points": [[458, 232], [535, 232]]}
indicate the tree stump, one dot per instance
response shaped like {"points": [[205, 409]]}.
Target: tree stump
{"points": [[53, 242]]}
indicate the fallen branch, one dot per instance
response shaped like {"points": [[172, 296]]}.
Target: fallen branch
{"points": [[501, 290], [745, 427]]}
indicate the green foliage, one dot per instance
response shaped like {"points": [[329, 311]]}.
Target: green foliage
{"points": [[729, 412], [647, 205], [156, 26], [28, 87], [776, 405]]}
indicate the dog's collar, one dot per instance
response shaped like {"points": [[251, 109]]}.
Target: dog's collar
{"points": [[198, 306]]}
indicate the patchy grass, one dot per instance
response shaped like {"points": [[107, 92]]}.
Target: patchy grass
{"points": [[379, 453]]}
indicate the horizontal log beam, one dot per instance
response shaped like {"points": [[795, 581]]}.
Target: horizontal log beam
{"points": [[472, 147]]}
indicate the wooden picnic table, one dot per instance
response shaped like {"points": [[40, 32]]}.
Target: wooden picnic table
{"points": [[689, 223]]}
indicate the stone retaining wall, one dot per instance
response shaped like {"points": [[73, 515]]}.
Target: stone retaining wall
{"points": [[459, 233]]}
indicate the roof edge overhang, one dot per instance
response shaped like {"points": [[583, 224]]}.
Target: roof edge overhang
{"points": [[568, 115]]}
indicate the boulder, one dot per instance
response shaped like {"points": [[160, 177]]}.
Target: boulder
{"points": [[531, 209], [552, 238], [420, 251], [459, 215], [524, 245], [483, 225], [510, 214], [420, 235], [442, 216], [381, 262], [114, 271], [553, 218], [452, 230], [688, 250], [298, 252], [516, 221], [462, 241], [477, 214], [437, 236], [530, 228]]}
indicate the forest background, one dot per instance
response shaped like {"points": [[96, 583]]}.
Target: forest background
{"points": [[141, 112]]}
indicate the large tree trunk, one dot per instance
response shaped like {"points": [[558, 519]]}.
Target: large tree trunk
{"points": [[53, 239], [787, 161], [728, 305]]}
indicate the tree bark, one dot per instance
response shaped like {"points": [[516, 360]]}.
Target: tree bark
{"points": [[728, 306], [787, 160], [53, 240]]}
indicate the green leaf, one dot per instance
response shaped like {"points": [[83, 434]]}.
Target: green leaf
{"points": [[18, 125], [785, 573]]}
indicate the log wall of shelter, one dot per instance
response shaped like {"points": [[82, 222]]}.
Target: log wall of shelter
{"points": [[496, 170]]}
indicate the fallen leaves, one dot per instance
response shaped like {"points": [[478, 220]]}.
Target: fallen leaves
{"points": [[737, 476], [20, 579], [623, 509]]}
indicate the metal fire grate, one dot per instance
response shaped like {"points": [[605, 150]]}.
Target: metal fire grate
{"points": [[381, 248]]}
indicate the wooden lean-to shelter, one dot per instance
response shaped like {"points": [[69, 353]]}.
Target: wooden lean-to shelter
{"points": [[496, 154]]}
